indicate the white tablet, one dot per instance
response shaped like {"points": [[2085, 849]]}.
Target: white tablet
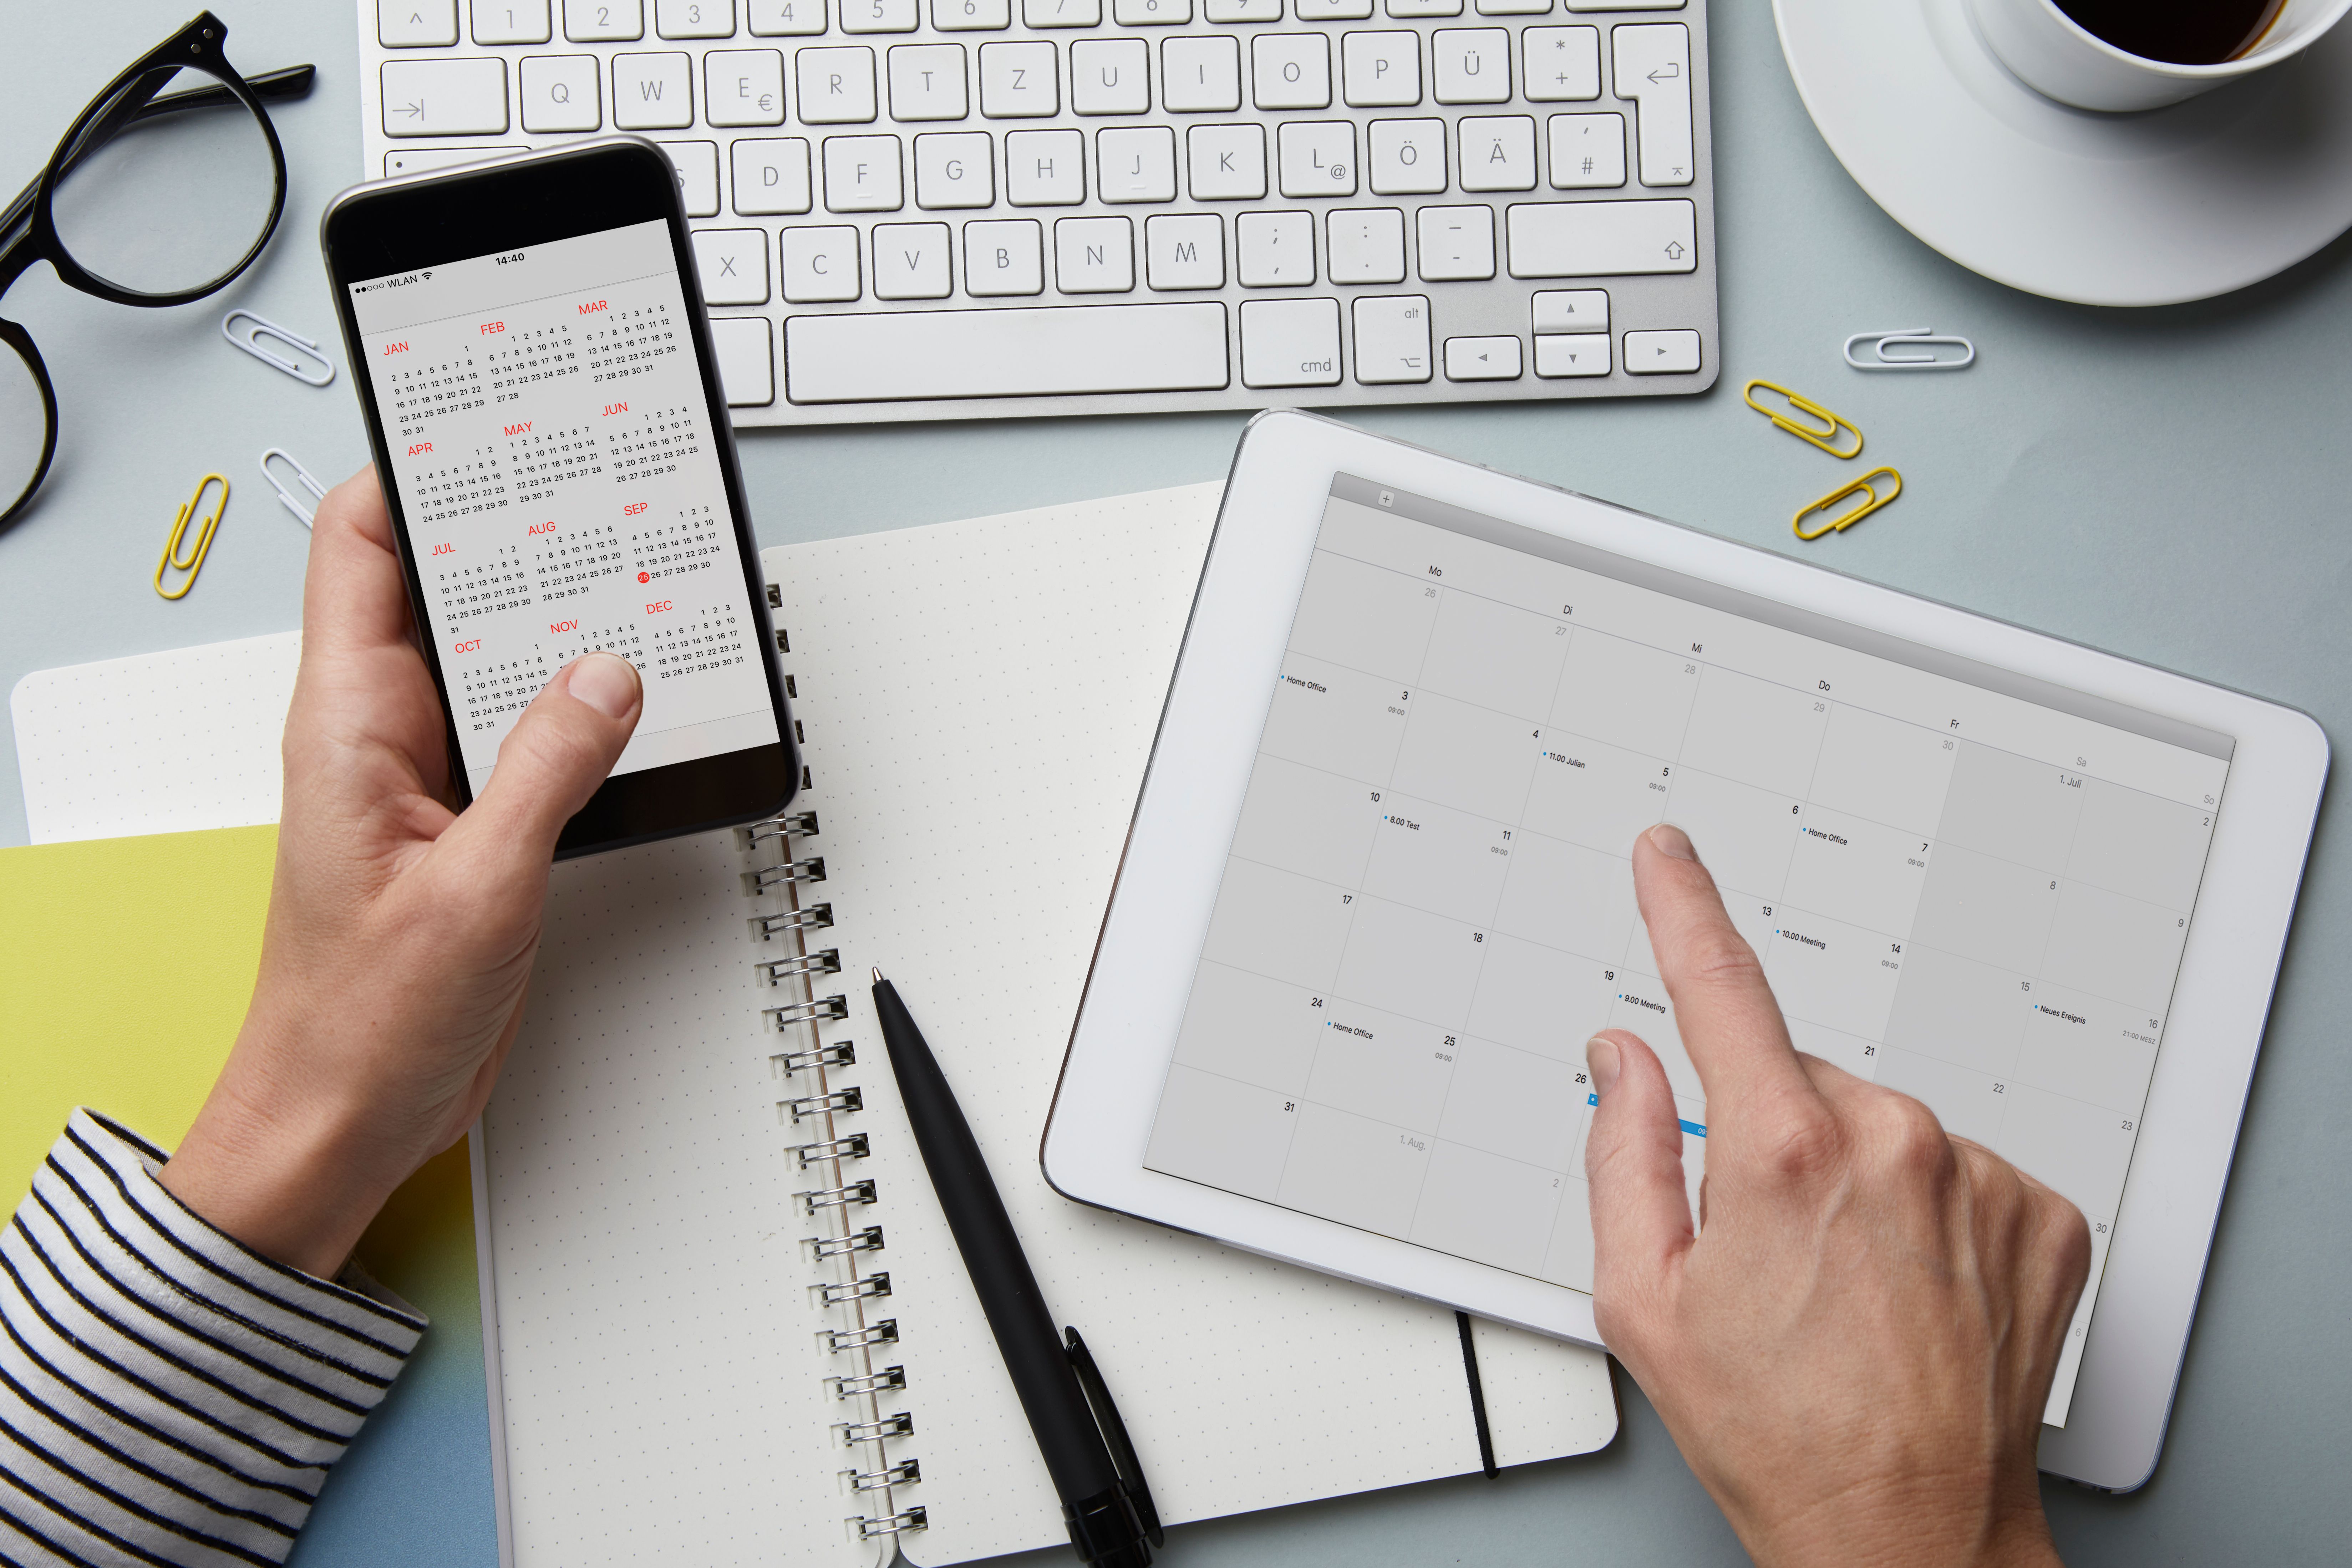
{"points": [[1376, 894]]}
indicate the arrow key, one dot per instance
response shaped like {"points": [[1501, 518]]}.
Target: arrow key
{"points": [[1661, 353], [446, 97], [1575, 354], [1482, 358]]}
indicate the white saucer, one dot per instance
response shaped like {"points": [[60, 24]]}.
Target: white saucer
{"points": [[2175, 204]]}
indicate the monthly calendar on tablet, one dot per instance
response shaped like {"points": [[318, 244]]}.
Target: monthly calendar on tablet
{"points": [[1964, 884]]}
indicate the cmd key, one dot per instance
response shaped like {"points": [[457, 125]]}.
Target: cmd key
{"points": [[446, 98]]}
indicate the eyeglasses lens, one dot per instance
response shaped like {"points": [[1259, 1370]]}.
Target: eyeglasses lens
{"points": [[172, 201], [23, 426]]}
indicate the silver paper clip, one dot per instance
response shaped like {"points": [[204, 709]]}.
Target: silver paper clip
{"points": [[250, 340], [301, 477], [1923, 338]]}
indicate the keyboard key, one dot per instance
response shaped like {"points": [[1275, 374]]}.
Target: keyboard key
{"points": [[1482, 358], [604, 21], [1588, 151], [1367, 246], [1093, 256], [732, 265], [1594, 239], [1652, 69], [562, 92], [444, 98], [1045, 168], [1391, 339], [1184, 252], [1061, 13], [1563, 64], [1136, 163], [1457, 243], [1247, 10], [862, 175], [836, 85], [1317, 157], [696, 163], [1019, 81], [1151, 12], [1328, 11], [746, 360], [1005, 352], [1569, 311], [972, 15], [1227, 163], [1409, 157], [1004, 256], [1661, 353], [1624, 5], [425, 160], [694, 18], [1290, 70], [1111, 76], [1473, 65], [1277, 250], [1201, 75], [1499, 152], [1379, 69], [927, 82], [1585, 354], [787, 18], [652, 93], [1513, 8], [911, 261], [1424, 7], [820, 264], [743, 86], [510, 21], [416, 23], [955, 169], [879, 15], [771, 174], [1290, 343]]}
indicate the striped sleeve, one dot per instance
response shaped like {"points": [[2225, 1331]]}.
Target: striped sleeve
{"points": [[167, 1395]]}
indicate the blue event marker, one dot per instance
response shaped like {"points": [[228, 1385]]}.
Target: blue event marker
{"points": [[1693, 1128]]}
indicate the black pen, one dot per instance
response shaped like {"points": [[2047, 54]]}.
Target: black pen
{"points": [[1104, 1500]]}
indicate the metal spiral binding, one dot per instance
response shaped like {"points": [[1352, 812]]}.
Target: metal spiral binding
{"points": [[906, 1472], [840, 1053], [779, 970], [837, 1251], [852, 1147], [866, 1240], [816, 917], [889, 1377]]}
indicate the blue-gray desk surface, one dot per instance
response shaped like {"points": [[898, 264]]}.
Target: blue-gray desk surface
{"points": [[2166, 484]]}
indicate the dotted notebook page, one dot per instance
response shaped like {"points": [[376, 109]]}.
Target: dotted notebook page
{"points": [[979, 701], [161, 743]]}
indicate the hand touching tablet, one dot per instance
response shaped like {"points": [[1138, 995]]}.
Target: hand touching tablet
{"points": [[1854, 1349]]}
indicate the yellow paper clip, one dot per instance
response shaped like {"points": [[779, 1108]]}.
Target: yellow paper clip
{"points": [[1824, 439], [1862, 486], [196, 560]]}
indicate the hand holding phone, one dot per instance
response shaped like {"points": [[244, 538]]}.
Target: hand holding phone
{"points": [[530, 347]]}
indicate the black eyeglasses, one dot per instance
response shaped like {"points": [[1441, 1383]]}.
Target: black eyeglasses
{"points": [[152, 198]]}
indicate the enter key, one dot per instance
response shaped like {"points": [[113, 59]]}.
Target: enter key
{"points": [[1652, 69]]}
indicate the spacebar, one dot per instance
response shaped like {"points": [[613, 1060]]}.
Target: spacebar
{"points": [[1004, 353]]}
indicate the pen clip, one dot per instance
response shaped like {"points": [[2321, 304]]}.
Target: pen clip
{"points": [[1114, 1432]]}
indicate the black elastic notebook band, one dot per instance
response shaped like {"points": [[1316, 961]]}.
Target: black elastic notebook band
{"points": [[1478, 1397]]}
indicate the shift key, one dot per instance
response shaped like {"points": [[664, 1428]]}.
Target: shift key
{"points": [[444, 98], [1601, 239]]}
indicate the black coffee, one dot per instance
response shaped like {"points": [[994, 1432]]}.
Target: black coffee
{"points": [[2184, 32]]}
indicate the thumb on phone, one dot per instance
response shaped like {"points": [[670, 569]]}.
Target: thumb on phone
{"points": [[557, 754]]}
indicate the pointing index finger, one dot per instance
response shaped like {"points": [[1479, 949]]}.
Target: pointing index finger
{"points": [[1731, 1026]]}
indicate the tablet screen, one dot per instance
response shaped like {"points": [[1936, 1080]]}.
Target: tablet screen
{"points": [[1967, 885]]}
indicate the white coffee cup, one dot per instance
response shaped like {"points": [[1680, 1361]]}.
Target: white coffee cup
{"points": [[2058, 57]]}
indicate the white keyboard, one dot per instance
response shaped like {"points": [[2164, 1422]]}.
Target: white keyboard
{"points": [[952, 209]]}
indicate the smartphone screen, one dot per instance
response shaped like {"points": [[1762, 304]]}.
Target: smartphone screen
{"points": [[558, 467]]}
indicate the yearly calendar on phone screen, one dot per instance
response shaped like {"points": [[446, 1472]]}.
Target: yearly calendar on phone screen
{"points": [[551, 447], [1965, 884]]}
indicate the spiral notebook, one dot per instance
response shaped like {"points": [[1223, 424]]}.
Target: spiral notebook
{"points": [[728, 1324]]}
